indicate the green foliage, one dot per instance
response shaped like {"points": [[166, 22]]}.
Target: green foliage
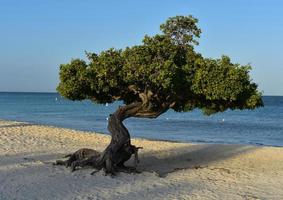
{"points": [[74, 84], [182, 29], [168, 66]]}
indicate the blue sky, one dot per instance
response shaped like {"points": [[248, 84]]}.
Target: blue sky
{"points": [[37, 36]]}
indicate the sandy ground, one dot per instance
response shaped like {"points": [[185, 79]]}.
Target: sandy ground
{"points": [[170, 170]]}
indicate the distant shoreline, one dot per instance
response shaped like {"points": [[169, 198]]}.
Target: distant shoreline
{"points": [[143, 138], [258, 127]]}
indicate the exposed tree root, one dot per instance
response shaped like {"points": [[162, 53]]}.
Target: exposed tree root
{"points": [[78, 156], [89, 158]]}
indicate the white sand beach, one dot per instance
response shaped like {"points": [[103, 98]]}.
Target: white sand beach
{"points": [[169, 170]]}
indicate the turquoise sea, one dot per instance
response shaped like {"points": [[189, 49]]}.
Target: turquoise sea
{"points": [[263, 126]]}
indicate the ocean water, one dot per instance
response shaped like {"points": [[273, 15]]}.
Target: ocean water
{"points": [[263, 126]]}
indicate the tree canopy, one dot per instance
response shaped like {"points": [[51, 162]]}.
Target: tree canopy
{"points": [[164, 71]]}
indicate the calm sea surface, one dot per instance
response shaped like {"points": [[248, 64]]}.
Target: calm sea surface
{"points": [[263, 126]]}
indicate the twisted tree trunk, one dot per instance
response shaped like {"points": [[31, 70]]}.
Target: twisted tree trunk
{"points": [[120, 149]]}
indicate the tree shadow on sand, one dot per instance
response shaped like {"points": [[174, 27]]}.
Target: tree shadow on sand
{"points": [[161, 162], [190, 157], [25, 158]]}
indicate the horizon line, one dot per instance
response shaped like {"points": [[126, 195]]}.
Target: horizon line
{"points": [[277, 95]]}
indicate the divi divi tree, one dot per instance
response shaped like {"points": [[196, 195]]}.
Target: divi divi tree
{"points": [[163, 72]]}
